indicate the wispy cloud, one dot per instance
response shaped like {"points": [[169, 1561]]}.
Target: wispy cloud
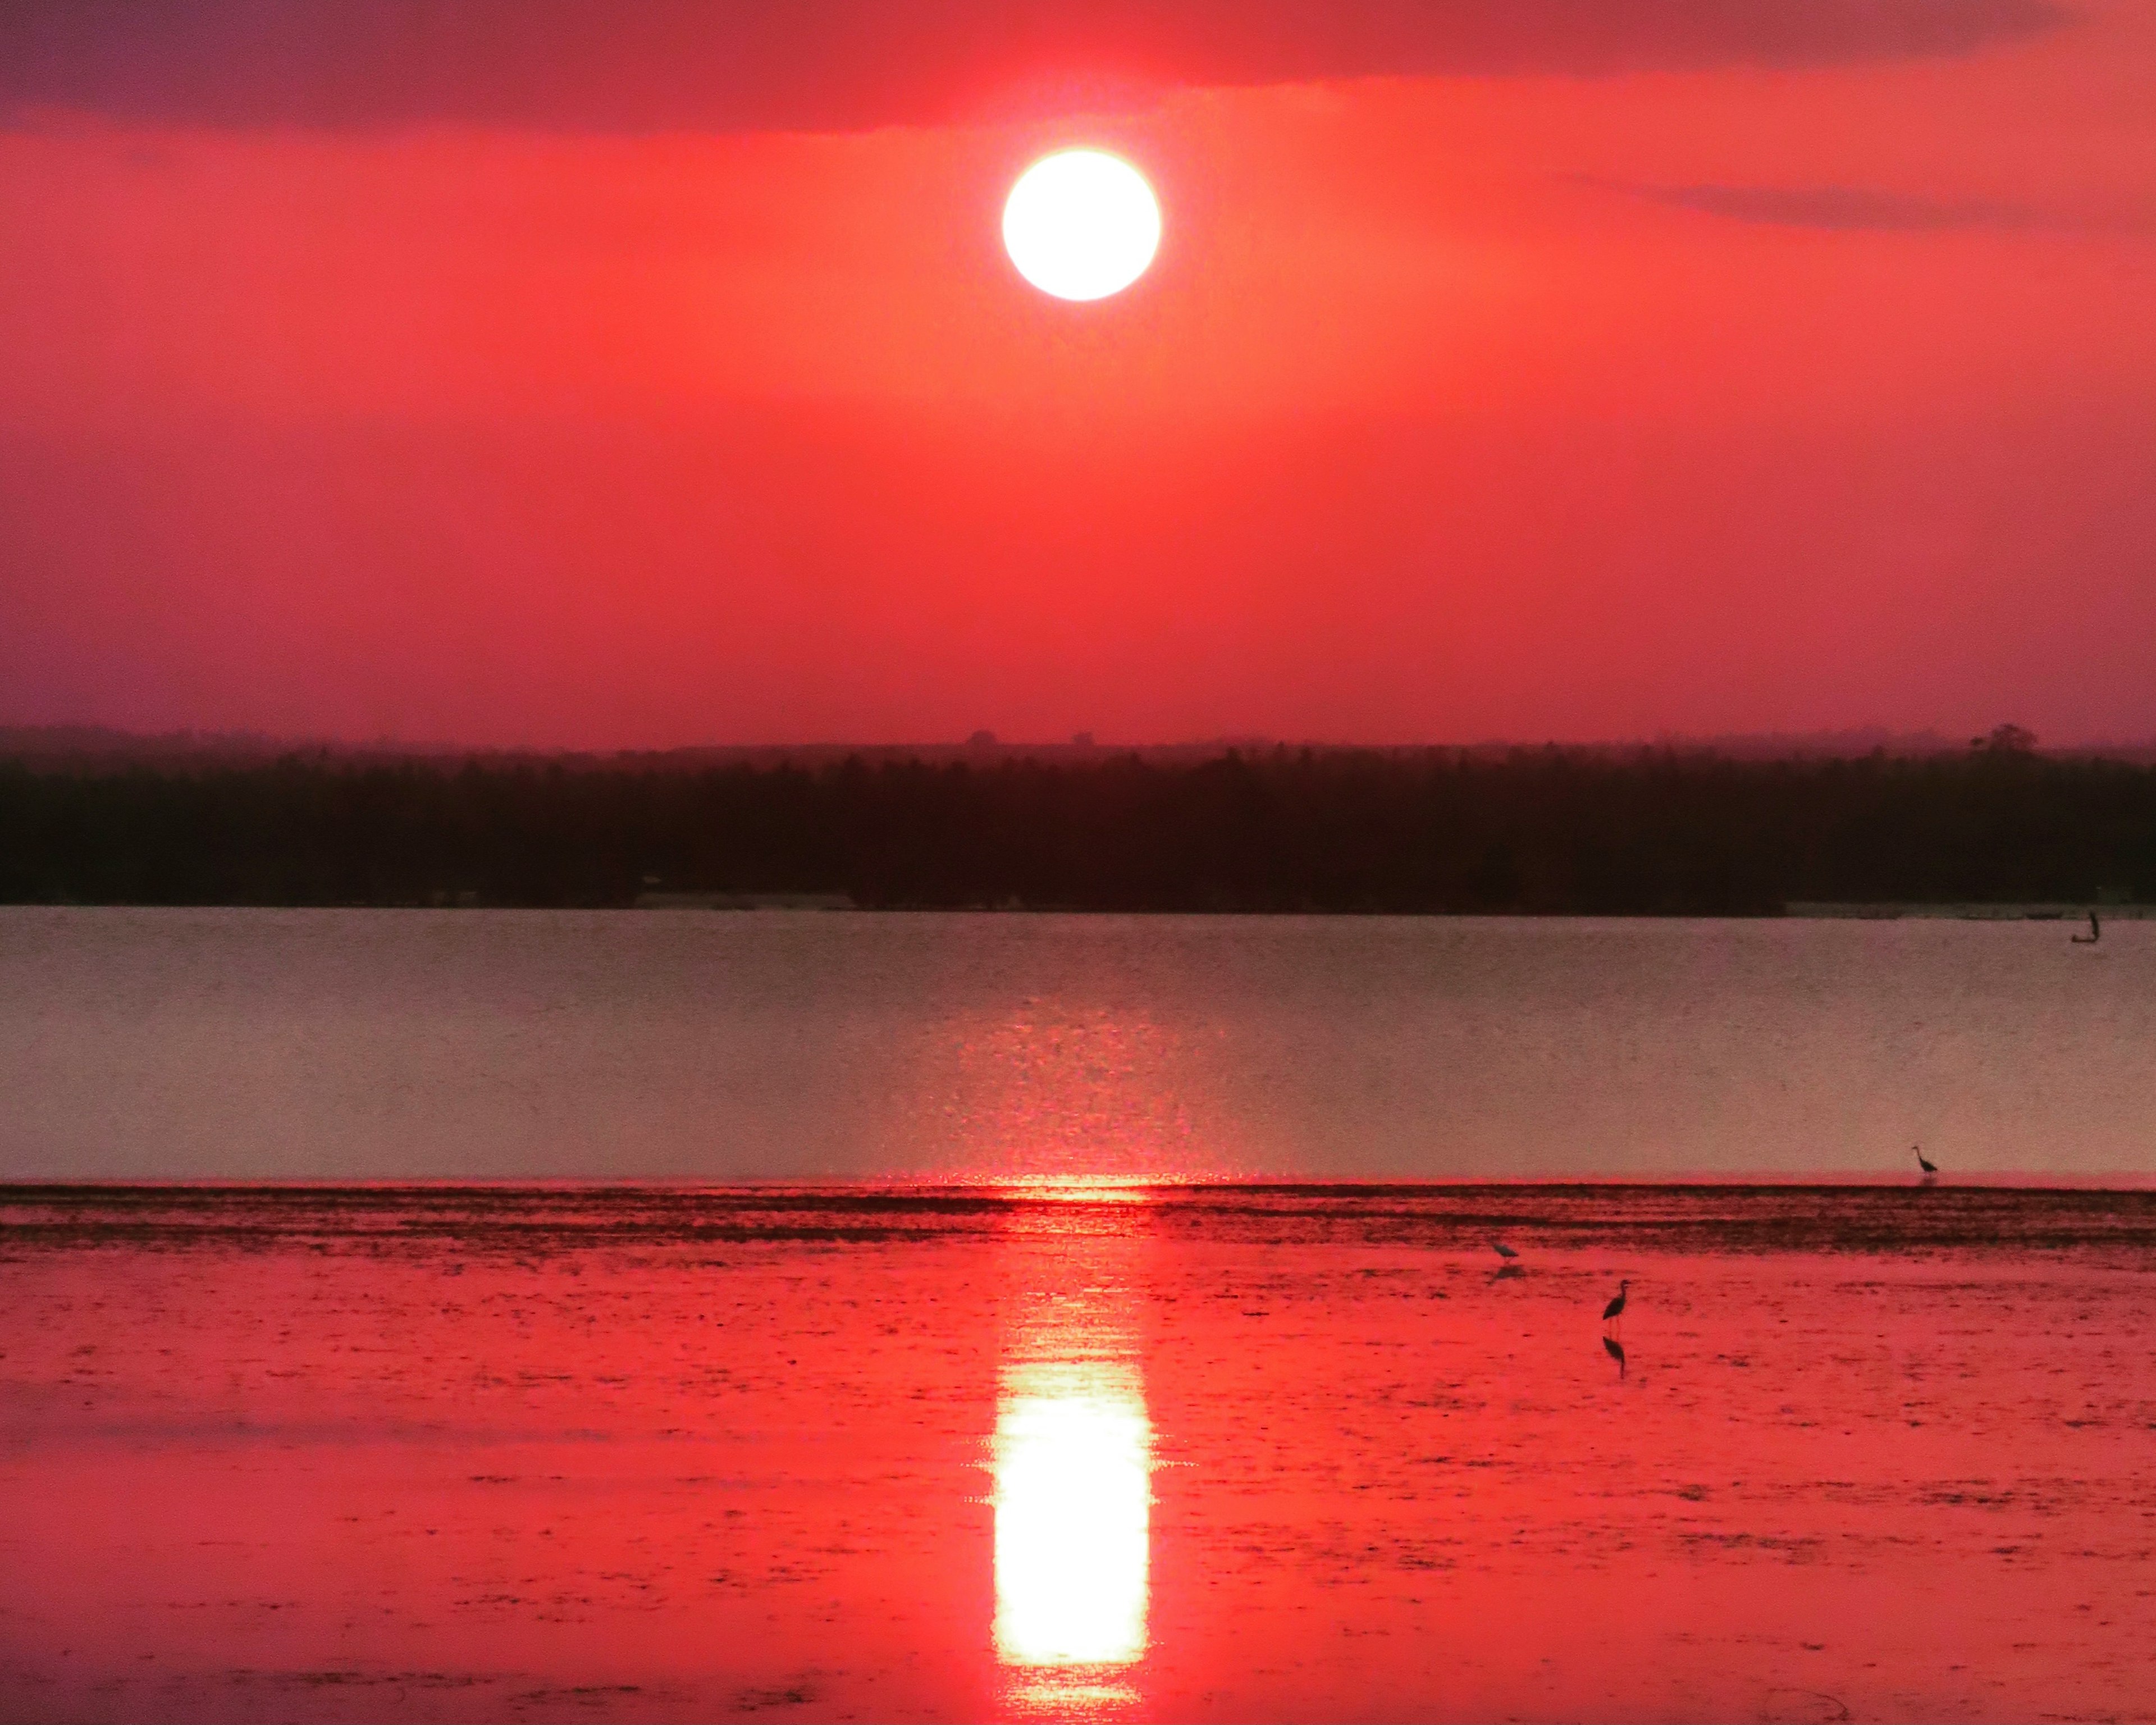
{"points": [[1845, 208], [838, 65], [1868, 209]]}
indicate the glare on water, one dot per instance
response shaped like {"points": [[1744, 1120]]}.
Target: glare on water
{"points": [[1072, 1456], [1073, 1494]]}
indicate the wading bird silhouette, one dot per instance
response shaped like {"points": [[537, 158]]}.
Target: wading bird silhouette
{"points": [[1615, 1309], [1502, 1251], [1929, 1168]]}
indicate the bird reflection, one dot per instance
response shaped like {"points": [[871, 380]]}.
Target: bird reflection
{"points": [[1615, 1349]]}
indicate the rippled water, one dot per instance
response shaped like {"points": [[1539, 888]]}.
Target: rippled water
{"points": [[1232, 1452], [718, 1047]]}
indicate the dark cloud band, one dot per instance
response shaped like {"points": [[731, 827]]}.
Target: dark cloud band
{"points": [[1864, 209], [846, 65]]}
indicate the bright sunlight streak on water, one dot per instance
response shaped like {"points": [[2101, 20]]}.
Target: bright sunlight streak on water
{"points": [[1073, 1496]]}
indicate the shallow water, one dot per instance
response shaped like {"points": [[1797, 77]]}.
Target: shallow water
{"points": [[1206, 1452], [272, 1044]]}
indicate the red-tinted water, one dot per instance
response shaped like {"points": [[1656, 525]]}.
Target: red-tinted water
{"points": [[1200, 1453]]}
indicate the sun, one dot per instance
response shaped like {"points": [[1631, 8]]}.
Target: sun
{"points": [[1082, 224]]}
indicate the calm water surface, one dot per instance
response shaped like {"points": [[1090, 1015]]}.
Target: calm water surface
{"points": [[718, 1046], [961, 1431], [1213, 1452]]}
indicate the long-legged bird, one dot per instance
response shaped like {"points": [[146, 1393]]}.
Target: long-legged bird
{"points": [[1929, 1168], [1615, 1308]]}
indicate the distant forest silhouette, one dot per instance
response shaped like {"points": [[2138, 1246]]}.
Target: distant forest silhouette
{"points": [[1639, 832]]}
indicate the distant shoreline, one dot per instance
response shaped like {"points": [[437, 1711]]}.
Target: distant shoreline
{"points": [[2073, 912], [2073, 915], [2053, 911], [2063, 910]]}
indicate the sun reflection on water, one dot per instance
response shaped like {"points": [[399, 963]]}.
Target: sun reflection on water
{"points": [[1075, 1095], [1072, 1458], [1074, 1493]]}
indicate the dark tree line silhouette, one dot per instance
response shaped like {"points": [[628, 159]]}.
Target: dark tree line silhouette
{"points": [[1536, 831]]}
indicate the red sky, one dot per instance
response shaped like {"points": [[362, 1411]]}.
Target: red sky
{"points": [[1508, 371]]}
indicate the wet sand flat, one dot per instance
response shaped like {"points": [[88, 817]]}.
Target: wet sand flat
{"points": [[1292, 1452]]}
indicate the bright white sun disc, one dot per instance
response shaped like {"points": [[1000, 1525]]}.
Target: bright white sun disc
{"points": [[1082, 224]]}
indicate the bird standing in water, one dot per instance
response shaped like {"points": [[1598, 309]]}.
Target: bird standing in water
{"points": [[1502, 1251], [1615, 1309], [1929, 1168]]}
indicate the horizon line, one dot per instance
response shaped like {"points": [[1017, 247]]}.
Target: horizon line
{"points": [[89, 738]]}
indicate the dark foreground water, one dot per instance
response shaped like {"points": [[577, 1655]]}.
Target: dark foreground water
{"points": [[1204, 1452]]}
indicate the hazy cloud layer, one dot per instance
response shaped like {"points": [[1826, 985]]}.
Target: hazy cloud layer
{"points": [[1847, 208], [841, 65]]}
